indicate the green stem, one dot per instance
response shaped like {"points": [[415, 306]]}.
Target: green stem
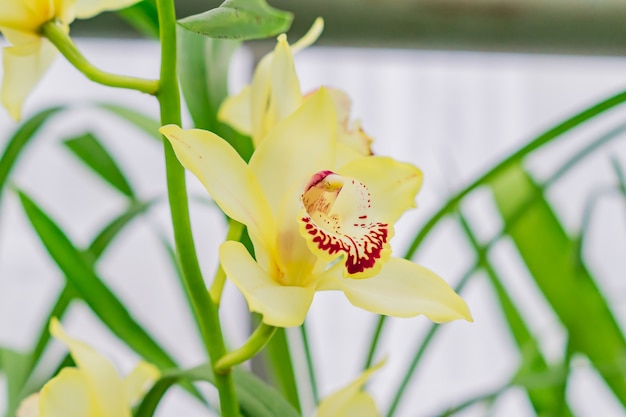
{"points": [[204, 308], [253, 345], [235, 229], [59, 37], [309, 363]]}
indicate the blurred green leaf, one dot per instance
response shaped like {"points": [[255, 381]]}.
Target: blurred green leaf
{"points": [[20, 139], [550, 257], [256, 398], [93, 154], [549, 399], [204, 64], [280, 364], [239, 19], [144, 17], [81, 274], [16, 368], [147, 124]]}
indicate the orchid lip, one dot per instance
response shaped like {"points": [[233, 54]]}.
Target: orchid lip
{"points": [[335, 221]]}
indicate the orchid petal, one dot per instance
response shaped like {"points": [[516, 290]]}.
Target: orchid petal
{"points": [[282, 306], [24, 65], [285, 89], [69, 395], [295, 149], [89, 8], [29, 407], [405, 289], [139, 381], [260, 99], [351, 401], [393, 185], [97, 371], [236, 111], [227, 178]]}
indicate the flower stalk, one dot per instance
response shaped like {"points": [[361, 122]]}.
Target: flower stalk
{"points": [[203, 307], [62, 41], [257, 341]]}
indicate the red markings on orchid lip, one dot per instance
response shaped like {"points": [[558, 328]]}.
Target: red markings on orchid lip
{"points": [[336, 229]]}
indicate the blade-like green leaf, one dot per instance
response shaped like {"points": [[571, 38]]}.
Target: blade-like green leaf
{"points": [[571, 291], [81, 274], [16, 369], [144, 17], [20, 139], [239, 19], [147, 124], [203, 64], [281, 368], [256, 399], [546, 400], [93, 154]]}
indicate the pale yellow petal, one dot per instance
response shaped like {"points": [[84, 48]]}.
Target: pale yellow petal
{"points": [[236, 111], [393, 185], [139, 381], [20, 37], [101, 377], [25, 14], [29, 407], [89, 8], [285, 90], [24, 66], [297, 148], [351, 401], [227, 178], [69, 395], [65, 10], [260, 99], [281, 306], [405, 289]]}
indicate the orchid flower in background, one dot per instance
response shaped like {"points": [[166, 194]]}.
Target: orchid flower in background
{"points": [[351, 401], [92, 389], [315, 225], [275, 93], [31, 54]]}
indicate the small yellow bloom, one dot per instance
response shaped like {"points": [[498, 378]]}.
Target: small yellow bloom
{"points": [[351, 401], [315, 224], [275, 93], [30, 55], [92, 389]]}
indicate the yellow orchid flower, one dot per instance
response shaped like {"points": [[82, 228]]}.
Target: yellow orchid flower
{"points": [[30, 56], [275, 93], [350, 401], [93, 389], [314, 225]]}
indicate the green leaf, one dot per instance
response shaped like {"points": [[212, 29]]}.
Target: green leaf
{"points": [[546, 400], [80, 273], [93, 154], [550, 257], [17, 143], [239, 19], [256, 399], [280, 364], [147, 124], [144, 17], [203, 64], [16, 368]]}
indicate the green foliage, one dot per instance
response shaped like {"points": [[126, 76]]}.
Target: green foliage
{"points": [[569, 288], [239, 19], [256, 399], [143, 16], [91, 152]]}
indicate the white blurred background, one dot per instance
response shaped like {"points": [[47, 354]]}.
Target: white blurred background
{"points": [[453, 114]]}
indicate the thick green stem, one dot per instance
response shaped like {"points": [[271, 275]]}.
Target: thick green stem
{"points": [[253, 345], [204, 308], [59, 37]]}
